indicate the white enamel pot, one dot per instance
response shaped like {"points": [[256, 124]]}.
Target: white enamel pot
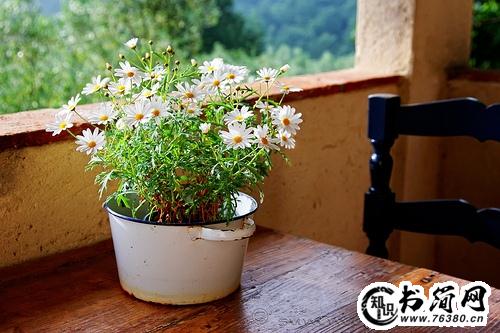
{"points": [[181, 263]]}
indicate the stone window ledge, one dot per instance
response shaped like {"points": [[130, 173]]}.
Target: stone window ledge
{"points": [[27, 128]]}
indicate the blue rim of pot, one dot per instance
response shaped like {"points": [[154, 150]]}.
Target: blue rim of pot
{"points": [[254, 207]]}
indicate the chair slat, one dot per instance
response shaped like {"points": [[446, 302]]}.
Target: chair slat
{"points": [[456, 117]]}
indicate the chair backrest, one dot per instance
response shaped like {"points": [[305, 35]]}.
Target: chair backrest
{"points": [[387, 120]]}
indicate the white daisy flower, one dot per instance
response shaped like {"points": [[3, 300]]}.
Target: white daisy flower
{"points": [[156, 74], [285, 139], [71, 105], [119, 88], [234, 74], [210, 67], [148, 93], [104, 115], [136, 113], [267, 74], [132, 43], [129, 73], [205, 127], [286, 89], [191, 109], [238, 115], [286, 119], [122, 124], [188, 93], [156, 108], [238, 136], [61, 123], [96, 85], [284, 68], [90, 142], [215, 81], [264, 106], [262, 138]]}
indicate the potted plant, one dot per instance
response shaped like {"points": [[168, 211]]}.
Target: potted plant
{"points": [[181, 142]]}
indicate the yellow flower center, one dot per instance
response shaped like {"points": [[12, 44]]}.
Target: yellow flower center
{"points": [[284, 138], [285, 88], [138, 116], [148, 94], [91, 144], [264, 140], [267, 78], [188, 94], [63, 125], [239, 117], [120, 88], [190, 111], [230, 76], [286, 121], [216, 83], [210, 68], [96, 87], [237, 139], [130, 74], [155, 112], [103, 117]]}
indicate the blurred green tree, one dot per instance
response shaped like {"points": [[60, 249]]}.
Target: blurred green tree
{"points": [[233, 31], [485, 37], [26, 53], [45, 59]]}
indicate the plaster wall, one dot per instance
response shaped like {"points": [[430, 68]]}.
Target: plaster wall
{"points": [[441, 40], [471, 170], [439, 37], [47, 202], [384, 32]]}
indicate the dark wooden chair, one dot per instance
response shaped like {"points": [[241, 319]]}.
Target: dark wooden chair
{"points": [[456, 117]]}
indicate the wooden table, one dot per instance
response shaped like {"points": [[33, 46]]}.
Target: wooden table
{"points": [[289, 284]]}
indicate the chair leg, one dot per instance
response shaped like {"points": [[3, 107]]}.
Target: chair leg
{"points": [[377, 247], [378, 222]]}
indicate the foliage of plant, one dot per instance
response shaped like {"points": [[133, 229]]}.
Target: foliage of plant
{"points": [[183, 137]]}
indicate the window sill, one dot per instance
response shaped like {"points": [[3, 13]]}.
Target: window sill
{"points": [[27, 128], [477, 75]]}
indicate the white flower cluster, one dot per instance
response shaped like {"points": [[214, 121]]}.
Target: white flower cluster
{"points": [[139, 96]]}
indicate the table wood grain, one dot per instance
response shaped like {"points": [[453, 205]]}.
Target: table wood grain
{"points": [[289, 284]]}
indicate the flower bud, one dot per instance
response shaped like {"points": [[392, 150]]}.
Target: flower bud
{"points": [[132, 43], [205, 128], [284, 68], [170, 49], [194, 63], [177, 62], [121, 56], [147, 55], [143, 59], [108, 66], [121, 124], [150, 42]]}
